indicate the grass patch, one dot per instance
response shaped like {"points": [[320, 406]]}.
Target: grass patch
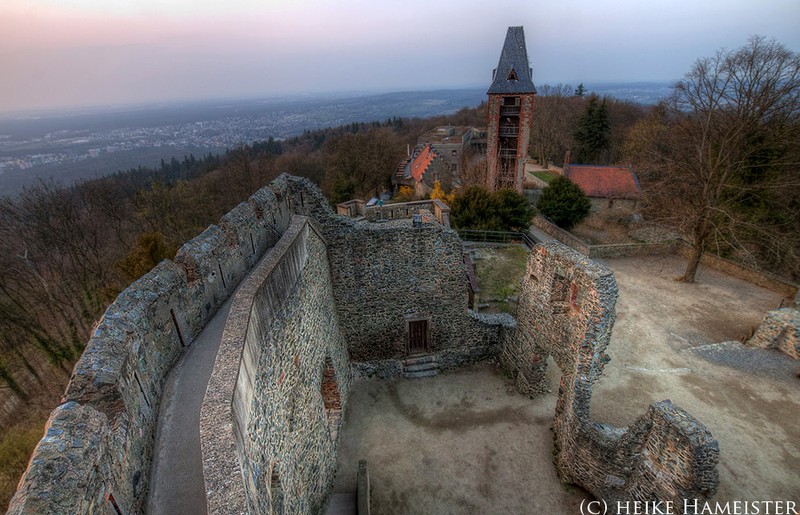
{"points": [[545, 176], [500, 272]]}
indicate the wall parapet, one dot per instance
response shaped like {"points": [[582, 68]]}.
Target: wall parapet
{"points": [[548, 227], [117, 383], [439, 209], [260, 404]]}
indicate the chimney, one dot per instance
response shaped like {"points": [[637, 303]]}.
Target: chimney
{"points": [[408, 150], [567, 157]]}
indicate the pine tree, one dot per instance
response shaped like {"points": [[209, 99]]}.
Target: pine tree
{"points": [[591, 136], [564, 203]]}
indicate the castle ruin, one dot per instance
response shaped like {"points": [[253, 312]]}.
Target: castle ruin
{"points": [[324, 301]]}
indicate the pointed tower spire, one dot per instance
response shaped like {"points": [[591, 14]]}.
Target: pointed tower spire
{"points": [[513, 73], [510, 113]]}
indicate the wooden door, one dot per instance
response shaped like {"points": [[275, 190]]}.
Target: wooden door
{"points": [[418, 337]]}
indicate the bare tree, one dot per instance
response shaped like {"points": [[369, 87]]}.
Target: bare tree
{"points": [[722, 151], [556, 111]]}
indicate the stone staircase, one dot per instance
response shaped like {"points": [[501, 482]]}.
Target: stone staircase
{"points": [[417, 367]]}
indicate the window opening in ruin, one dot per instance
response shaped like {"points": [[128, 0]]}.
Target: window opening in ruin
{"points": [[292, 413], [275, 487], [114, 504], [146, 400], [331, 398], [177, 327], [512, 75], [574, 297], [222, 276], [417, 336], [558, 292]]}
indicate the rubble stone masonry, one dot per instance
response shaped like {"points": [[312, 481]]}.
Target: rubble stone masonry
{"points": [[329, 299], [566, 311]]}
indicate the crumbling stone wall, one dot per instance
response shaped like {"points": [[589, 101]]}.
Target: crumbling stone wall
{"points": [[780, 330], [386, 273], [98, 445], [566, 311]]}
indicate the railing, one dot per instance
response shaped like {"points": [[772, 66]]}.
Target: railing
{"points": [[508, 131], [505, 237], [509, 110], [508, 153]]}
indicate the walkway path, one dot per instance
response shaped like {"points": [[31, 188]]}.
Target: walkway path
{"points": [[176, 475]]}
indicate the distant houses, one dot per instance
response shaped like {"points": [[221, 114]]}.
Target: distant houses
{"points": [[438, 156]]}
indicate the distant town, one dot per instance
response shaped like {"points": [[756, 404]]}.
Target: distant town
{"points": [[86, 143]]}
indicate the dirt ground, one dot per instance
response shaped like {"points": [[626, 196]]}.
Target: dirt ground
{"points": [[466, 442]]}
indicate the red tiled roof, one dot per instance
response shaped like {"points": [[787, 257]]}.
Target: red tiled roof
{"points": [[605, 181], [422, 162]]}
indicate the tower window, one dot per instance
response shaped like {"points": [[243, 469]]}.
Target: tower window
{"points": [[512, 75]]}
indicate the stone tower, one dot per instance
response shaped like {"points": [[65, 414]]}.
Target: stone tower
{"points": [[510, 113]]}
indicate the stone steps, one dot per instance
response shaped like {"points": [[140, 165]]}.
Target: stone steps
{"points": [[418, 367]]}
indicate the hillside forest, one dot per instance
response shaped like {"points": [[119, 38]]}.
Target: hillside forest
{"points": [[67, 251]]}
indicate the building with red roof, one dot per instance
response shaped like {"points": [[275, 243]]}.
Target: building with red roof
{"points": [[606, 186]]}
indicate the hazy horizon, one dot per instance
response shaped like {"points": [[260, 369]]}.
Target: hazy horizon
{"points": [[94, 53]]}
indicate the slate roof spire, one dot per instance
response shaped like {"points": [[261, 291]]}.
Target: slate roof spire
{"points": [[513, 73]]}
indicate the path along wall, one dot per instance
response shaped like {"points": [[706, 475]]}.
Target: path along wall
{"points": [[566, 311], [98, 444], [283, 410], [97, 450]]}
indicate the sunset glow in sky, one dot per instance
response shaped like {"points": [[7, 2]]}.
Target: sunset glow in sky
{"points": [[56, 53]]}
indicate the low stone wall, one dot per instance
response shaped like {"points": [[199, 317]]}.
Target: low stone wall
{"points": [[630, 250], [268, 392], [565, 237], [780, 330], [98, 444], [439, 209], [743, 272], [566, 311], [738, 270]]}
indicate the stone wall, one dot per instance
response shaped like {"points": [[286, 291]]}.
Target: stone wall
{"points": [[566, 311], [619, 250], [439, 209], [780, 330], [389, 273], [283, 342], [560, 234], [758, 277], [743, 272], [98, 444]]}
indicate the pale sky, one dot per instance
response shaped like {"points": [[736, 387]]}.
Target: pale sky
{"points": [[56, 53]]}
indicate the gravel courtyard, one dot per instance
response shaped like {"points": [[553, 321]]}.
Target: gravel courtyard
{"points": [[466, 442]]}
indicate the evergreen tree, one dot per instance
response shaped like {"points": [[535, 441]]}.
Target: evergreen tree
{"points": [[564, 203], [477, 208], [591, 136], [580, 91]]}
